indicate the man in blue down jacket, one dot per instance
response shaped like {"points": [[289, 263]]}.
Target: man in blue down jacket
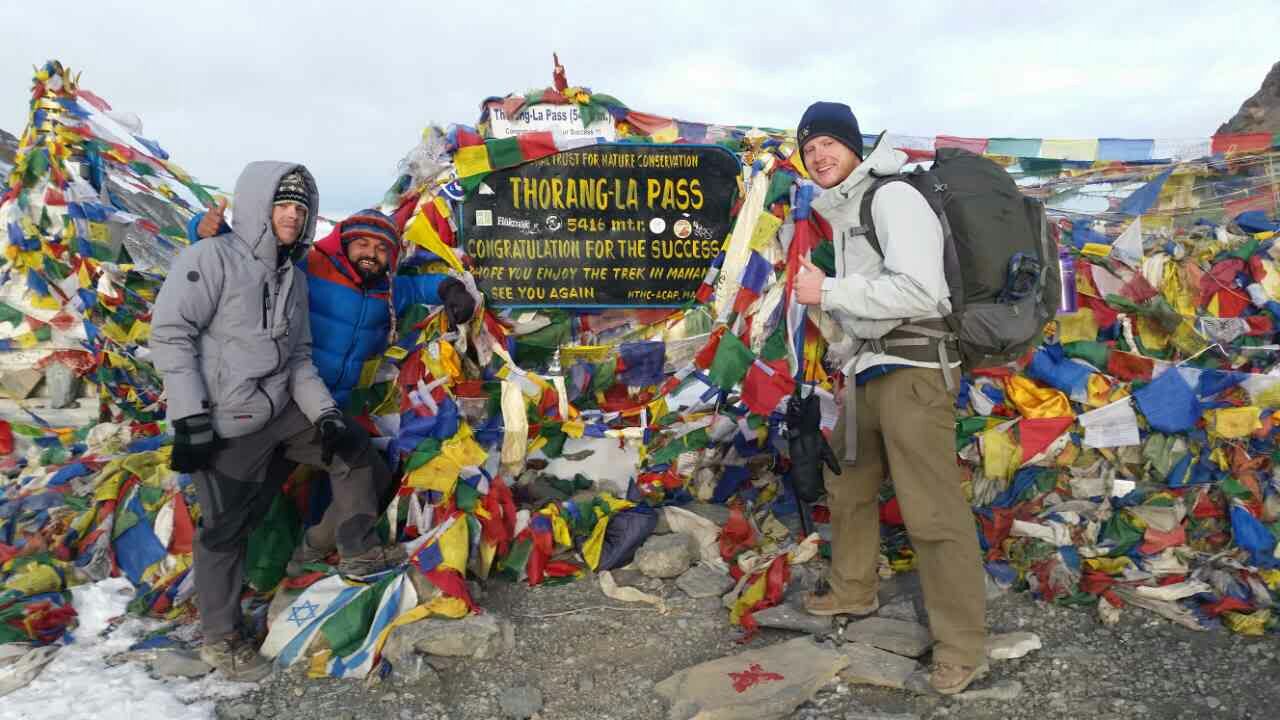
{"points": [[231, 335]]}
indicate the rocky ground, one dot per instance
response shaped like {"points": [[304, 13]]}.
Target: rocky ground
{"points": [[570, 653]]}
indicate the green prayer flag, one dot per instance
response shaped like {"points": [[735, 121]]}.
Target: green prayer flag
{"points": [[1094, 353], [466, 497], [271, 544], [731, 362], [779, 187], [427, 450], [824, 256], [347, 628], [504, 152]]}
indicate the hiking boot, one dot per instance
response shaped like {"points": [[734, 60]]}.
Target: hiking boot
{"points": [[376, 559], [827, 604], [950, 679], [238, 660], [304, 555]]}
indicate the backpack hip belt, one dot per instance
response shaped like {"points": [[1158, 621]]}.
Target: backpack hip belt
{"points": [[922, 341]]}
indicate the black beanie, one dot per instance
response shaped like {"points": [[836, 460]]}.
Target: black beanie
{"points": [[834, 120]]}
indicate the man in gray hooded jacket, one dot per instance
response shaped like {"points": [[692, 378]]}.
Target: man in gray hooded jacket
{"points": [[232, 337]]}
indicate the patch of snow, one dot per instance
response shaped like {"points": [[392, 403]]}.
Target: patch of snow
{"points": [[78, 683]]}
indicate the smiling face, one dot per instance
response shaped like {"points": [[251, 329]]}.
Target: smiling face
{"points": [[287, 221], [369, 256], [828, 160]]}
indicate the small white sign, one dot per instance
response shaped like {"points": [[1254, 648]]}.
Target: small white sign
{"points": [[560, 120], [484, 218]]}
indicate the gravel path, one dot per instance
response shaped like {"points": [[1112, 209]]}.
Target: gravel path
{"points": [[574, 659]]}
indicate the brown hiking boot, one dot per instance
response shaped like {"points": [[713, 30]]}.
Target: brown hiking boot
{"points": [[827, 604], [304, 555], [372, 561], [237, 659], [950, 679]]}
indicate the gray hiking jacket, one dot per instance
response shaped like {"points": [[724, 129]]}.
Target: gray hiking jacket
{"points": [[231, 332]]}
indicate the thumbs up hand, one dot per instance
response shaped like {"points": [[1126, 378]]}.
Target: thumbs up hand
{"points": [[212, 220], [809, 283]]}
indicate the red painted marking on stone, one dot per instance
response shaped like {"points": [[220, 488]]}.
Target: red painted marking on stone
{"points": [[754, 675]]}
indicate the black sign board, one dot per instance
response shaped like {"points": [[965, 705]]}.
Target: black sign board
{"points": [[601, 226]]}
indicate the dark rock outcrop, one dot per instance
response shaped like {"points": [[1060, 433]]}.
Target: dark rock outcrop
{"points": [[1260, 113]]}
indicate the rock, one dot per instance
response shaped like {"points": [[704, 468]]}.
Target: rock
{"points": [[994, 590], [179, 663], [789, 617], [61, 385], [862, 712], [1011, 645], [664, 556], [19, 384], [900, 637], [521, 702], [586, 683], [872, 666], [1212, 702], [236, 711], [1261, 112], [475, 636], [716, 513], [701, 581], [1003, 691], [899, 609], [768, 682], [415, 669]]}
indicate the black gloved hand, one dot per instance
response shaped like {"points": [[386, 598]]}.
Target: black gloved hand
{"points": [[194, 444], [458, 303], [808, 447], [336, 437]]}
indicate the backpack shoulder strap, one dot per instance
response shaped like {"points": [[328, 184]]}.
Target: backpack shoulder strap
{"points": [[868, 227]]}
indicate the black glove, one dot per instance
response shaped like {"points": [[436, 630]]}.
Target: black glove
{"points": [[194, 444], [336, 437], [808, 447], [458, 303]]}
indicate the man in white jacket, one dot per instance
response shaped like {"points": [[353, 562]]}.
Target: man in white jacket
{"points": [[899, 407]]}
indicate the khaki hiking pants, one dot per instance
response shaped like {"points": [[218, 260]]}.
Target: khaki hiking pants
{"points": [[236, 493], [906, 431]]}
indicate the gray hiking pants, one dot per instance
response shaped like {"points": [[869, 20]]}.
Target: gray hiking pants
{"points": [[236, 493]]}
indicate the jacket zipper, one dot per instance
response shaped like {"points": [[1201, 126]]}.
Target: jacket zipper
{"points": [[266, 304]]}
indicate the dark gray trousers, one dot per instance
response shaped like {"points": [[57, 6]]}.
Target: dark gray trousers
{"points": [[236, 493]]}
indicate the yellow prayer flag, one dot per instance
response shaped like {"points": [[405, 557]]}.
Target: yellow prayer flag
{"points": [[1233, 422], [1079, 326], [472, 160], [666, 135], [1152, 333], [1036, 401], [594, 545], [766, 227], [1001, 456], [1254, 623]]}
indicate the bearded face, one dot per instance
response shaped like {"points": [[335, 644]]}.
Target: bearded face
{"points": [[369, 257]]}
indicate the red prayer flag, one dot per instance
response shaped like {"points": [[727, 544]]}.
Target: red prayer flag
{"points": [[536, 145], [973, 145], [1241, 142], [765, 385], [1037, 434], [1128, 366]]}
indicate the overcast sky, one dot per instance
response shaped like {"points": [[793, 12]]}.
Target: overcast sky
{"points": [[346, 87]]}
